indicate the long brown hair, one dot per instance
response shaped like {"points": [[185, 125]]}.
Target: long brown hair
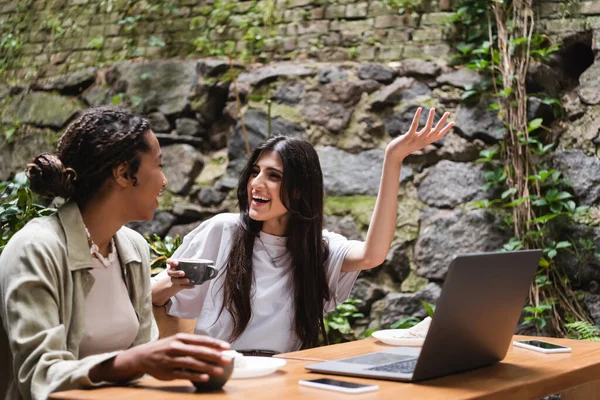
{"points": [[302, 194]]}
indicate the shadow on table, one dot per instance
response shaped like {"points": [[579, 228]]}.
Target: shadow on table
{"points": [[500, 371]]}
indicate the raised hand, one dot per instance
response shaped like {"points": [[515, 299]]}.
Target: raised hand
{"points": [[414, 139]]}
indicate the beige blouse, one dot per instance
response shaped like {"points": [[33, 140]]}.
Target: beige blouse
{"points": [[110, 322]]}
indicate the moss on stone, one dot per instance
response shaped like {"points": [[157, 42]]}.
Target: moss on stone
{"points": [[166, 201], [413, 283], [359, 207], [409, 213]]}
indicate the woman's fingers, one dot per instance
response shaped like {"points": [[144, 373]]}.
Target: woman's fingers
{"points": [[415, 122], [190, 364], [427, 129], [175, 273], [189, 375], [440, 123], [203, 340]]}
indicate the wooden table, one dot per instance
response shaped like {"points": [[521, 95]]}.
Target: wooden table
{"points": [[523, 374]]}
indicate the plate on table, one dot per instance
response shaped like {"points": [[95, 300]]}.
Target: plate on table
{"points": [[398, 337], [253, 367]]}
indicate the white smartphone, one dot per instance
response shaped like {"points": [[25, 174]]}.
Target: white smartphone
{"points": [[542, 347], [339, 386]]}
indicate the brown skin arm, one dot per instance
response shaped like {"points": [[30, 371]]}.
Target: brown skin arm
{"points": [[181, 356]]}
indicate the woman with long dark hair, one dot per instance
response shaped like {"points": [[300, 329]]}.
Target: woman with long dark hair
{"points": [[75, 286], [279, 271]]}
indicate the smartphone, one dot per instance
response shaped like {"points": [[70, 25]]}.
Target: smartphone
{"points": [[542, 347], [339, 386]]}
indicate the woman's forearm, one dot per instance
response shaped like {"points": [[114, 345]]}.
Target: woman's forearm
{"points": [[121, 368], [162, 290]]}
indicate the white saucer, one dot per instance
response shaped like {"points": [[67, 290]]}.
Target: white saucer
{"points": [[257, 366], [396, 337]]}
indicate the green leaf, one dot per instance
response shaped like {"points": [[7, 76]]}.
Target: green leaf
{"points": [[534, 124]]}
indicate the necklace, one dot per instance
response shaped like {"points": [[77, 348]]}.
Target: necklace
{"points": [[273, 262], [95, 250]]}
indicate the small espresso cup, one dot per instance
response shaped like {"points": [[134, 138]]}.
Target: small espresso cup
{"points": [[197, 271]]}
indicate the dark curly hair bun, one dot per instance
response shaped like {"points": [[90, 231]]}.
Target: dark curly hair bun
{"points": [[49, 177]]}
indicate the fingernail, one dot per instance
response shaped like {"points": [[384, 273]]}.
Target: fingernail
{"points": [[224, 345], [204, 377]]}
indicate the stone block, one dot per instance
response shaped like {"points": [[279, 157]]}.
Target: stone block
{"points": [[593, 23], [389, 21], [113, 43], [379, 8], [298, 3], [398, 35], [112, 30], [243, 6], [320, 27], [562, 25], [96, 30], [428, 34], [335, 11], [366, 53], [332, 39], [356, 27], [289, 44], [358, 10], [551, 10], [292, 29], [335, 26], [589, 8], [435, 18], [317, 13], [294, 15], [391, 53]]}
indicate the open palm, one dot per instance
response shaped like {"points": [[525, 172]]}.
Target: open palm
{"points": [[414, 139]]}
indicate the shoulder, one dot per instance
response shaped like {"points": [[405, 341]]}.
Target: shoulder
{"points": [[218, 223], [43, 233], [134, 237], [332, 237], [40, 238], [137, 241], [224, 220]]}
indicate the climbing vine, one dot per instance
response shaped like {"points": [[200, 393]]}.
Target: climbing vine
{"points": [[500, 41]]}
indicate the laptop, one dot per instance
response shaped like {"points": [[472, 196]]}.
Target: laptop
{"points": [[475, 318]]}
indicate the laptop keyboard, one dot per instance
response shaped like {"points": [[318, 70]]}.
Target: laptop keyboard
{"points": [[405, 367]]}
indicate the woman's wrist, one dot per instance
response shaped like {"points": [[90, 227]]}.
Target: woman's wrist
{"points": [[162, 291], [123, 367]]}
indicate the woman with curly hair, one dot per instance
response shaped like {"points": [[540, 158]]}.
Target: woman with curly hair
{"points": [[279, 270], [75, 287]]}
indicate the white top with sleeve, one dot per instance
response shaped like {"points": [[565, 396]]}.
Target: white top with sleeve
{"points": [[271, 326]]}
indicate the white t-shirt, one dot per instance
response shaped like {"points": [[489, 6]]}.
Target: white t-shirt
{"points": [[272, 295]]}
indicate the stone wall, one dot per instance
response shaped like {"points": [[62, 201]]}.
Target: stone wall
{"points": [[40, 38], [348, 109]]}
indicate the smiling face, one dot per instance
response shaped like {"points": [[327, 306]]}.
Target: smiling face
{"points": [[143, 197], [264, 200]]}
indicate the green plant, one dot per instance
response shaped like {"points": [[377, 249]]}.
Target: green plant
{"points": [[96, 43], [18, 205], [338, 322], [583, 330], [161, 250], [498, 40], [353, 53], [156, 42], [406, 6], [408, 322]]}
